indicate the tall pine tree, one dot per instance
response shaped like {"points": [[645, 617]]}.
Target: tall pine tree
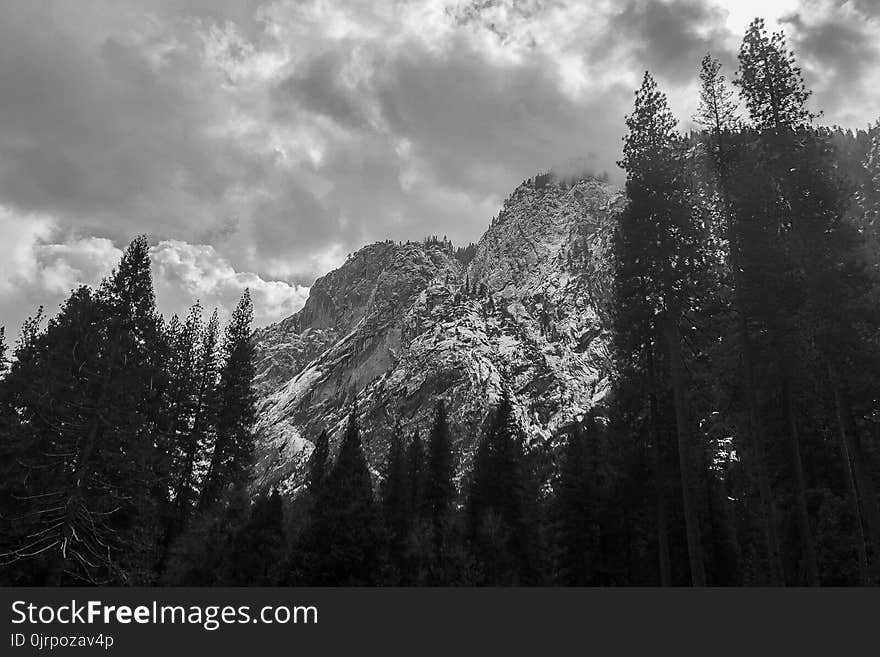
{"points": [[396, 503], [342, 544], [660, 266], [439, 488], [236, 409], [718, 113], [500, 524], [87, 414], [318, 464]]}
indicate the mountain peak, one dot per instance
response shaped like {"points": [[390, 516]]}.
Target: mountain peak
{"points": [[401, 325]]}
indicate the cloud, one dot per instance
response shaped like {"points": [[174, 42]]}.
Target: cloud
{"points": [[21, 234], [284, 134], [186, 272], [38, 263], [866, 7], [82, 261], [669, 38], [837, 46], [36, 268]]}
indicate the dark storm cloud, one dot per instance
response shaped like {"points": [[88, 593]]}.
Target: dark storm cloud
{"points": [[839, 53], [318, 89], [433, 139], [866, 7], [107, 131], [669, 38], [482, 127]]}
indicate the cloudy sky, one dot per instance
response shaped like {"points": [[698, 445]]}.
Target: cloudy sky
{"points": [[259, 142]]}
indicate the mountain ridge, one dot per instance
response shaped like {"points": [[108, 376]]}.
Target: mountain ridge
{"points": [[400, 325]]}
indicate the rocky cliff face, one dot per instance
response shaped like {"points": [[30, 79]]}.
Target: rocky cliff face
{"points": [[401, 326]]}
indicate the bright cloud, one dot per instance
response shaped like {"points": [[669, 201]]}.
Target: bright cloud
{"points": [[38, 263], [187, 272]]}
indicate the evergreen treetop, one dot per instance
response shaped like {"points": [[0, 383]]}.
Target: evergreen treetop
{"points": [[770, 81]]}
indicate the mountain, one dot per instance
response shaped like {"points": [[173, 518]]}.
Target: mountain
{"points": [[400, 325]]}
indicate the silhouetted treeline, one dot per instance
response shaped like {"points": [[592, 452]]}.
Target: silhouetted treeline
{"points": [[746, 332], [120, 434]]}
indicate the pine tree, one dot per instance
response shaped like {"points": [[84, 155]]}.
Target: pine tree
{"points": [[318, 464], [20, 454], [7, 416], [419, 543], [257, 549], [870, 191], [395, 501], [4, 362], [501, 529], [439, 489], [343, 541], [839, 312], [416, 475], [192, 403], [580, 493], [204, 553], [868, 200], [127, 407], [182, 341], [717, 112], [236, 413], [660, 264], [90, 411], [8, 449], [770, 81], [784, 231], [202, 425]]}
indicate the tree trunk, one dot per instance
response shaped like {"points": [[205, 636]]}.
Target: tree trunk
{"points": [[660, 479], [759, 453], [859, 484], [662, 521], [729, 519], [685, 454], [85, 452], [853, 499], [800, 488], [210, 491], [756, 430]]}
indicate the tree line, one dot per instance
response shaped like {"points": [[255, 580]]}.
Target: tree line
{"points": [[117, 430], [746, 332], [127, 448], [417, 528]]}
